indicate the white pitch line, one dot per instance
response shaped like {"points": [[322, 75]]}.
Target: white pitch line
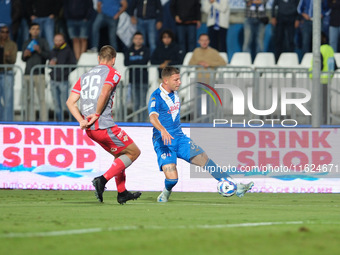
{"points": [[125, 228], [53, 233]]}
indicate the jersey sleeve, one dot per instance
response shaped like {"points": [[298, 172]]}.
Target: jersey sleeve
{"points": [[113, 78], [77, 88], [153, 106]]}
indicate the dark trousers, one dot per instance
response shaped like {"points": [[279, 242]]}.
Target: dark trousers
{"points": [[218, 38], [284, 35], [186, 36], [306, 32]]}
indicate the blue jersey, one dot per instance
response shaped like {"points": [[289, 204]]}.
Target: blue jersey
{"points": [[167, 107]]}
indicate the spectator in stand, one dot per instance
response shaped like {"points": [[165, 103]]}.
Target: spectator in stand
{"points": [[8, 55], [149, 19], [108, 12], [334, 24], [167, 52], [187, 15], [138, 54], [254, 25], [77, 14], [44, 12], [207, 59], [168, 21], [61, 54], [18, 15], [206, 56], [20, 22], [5, 13], [35, 52], [218, 22], [305, 9], [9, 15], [285, 20]]}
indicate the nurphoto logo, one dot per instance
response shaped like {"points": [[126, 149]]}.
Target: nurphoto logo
{"points": [[282, 99]]}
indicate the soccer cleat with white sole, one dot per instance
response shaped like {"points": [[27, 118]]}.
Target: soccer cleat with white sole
{"points": [[164, 196], [243, 188]]}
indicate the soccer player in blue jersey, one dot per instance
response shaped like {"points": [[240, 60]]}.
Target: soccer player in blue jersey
{"points": [[170, 142]]}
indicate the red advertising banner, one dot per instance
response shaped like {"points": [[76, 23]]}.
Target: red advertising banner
{"points": [[64, 158]]}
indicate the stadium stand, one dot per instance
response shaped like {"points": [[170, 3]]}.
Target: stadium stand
{"points": [[306, 60], [288, 59], [224, 55], [264, 59], [241, 59]]}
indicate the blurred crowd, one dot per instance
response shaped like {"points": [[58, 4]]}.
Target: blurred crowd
{"points": [[89, 24]]}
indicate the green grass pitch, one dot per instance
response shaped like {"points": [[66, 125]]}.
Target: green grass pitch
{"points": [[38, 222]]}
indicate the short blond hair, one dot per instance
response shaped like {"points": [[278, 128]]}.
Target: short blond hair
{"points": [[107, 52], [169, 70]]}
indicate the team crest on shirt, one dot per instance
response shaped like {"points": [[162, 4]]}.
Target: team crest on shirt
{"points": [[125, 138], [113, 149], [164, 155]]}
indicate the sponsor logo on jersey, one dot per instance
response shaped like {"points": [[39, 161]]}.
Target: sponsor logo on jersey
{"points": [[87, 107], [113, 149], [120, 135], [174, 108]]}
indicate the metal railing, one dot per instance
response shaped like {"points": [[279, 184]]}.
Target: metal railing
{"points": [[51, 73], [11, 96], [264, 84]]}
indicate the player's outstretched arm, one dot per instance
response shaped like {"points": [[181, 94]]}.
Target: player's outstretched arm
{"points": [[166, 137], [73, 107]]}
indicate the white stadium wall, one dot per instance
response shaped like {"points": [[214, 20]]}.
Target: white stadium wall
{"points": [[63, 158]]}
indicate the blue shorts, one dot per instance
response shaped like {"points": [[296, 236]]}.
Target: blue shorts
{"points": [[181, 147], [78, 28]]}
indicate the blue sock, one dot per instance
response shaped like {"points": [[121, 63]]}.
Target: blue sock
{"points": [[170, 183], [215, 171]]}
